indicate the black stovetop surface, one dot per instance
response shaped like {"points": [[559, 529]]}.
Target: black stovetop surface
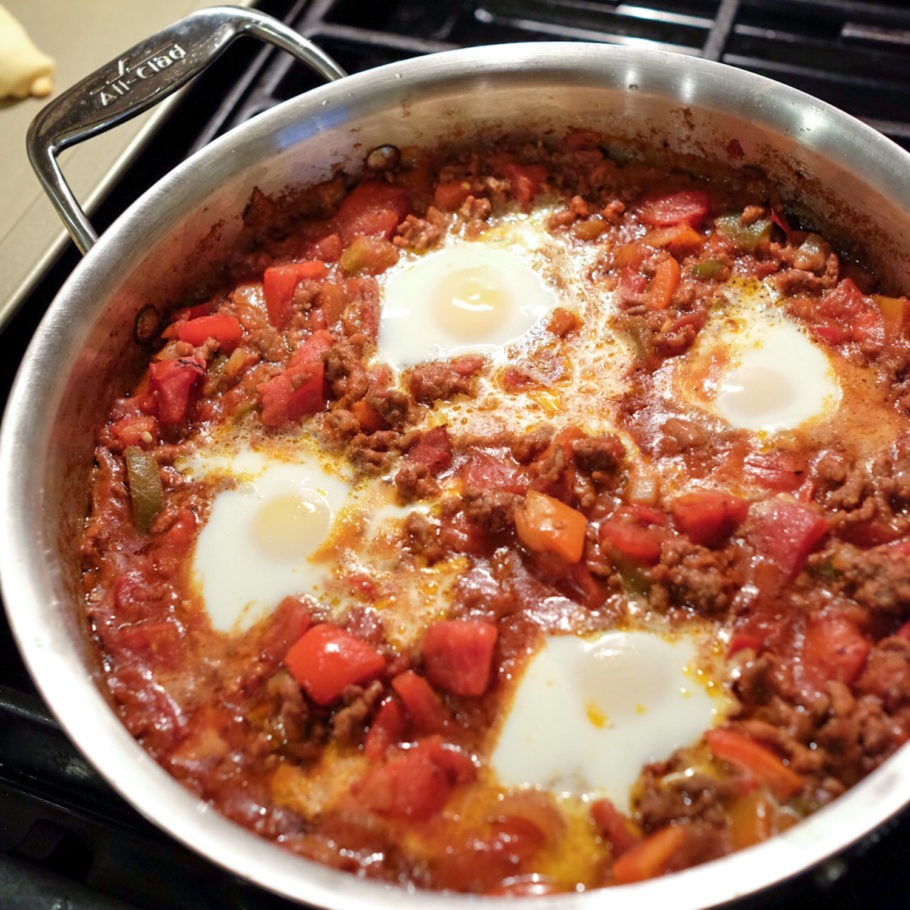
{"points": [[66, 840]]}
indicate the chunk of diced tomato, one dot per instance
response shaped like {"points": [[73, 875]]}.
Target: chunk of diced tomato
{"points": [[387, 728], [161, 642], [525, 180], [285, 626], [781, 471], [761, 763], [635, 533], [223, 327], [327, 659], [834, 648], [487, 472], [169, 548], [135, 430], [424, 707], [328, 248], [460, 534], [547, 523], [458, 655], [582, 139], [174, 383], [450, 194], [614, 826], [632, 285], [372, 208], [299, 389], [708, 517], [845, 302], [869, 328], [785, 532], [434, 449], [844, 314], [688, 206], [455, 764], [279, 283], [415, 783]]}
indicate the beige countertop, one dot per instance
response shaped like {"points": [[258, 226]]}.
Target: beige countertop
{"points": [[81, 36]]}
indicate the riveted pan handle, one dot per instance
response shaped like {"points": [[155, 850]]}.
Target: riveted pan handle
{"points": [[140, 78]]}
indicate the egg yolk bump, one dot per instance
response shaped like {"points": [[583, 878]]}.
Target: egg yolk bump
{"points": [[471, 303], [257, 543], [468, 298], [291, 525]]}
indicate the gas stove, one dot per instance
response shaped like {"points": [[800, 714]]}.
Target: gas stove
{"points": [[66, 839]]}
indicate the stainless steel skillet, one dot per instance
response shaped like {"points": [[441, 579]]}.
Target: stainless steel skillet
{"points": [[84, 354]]}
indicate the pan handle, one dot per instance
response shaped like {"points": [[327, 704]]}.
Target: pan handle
{"points": [[139, 79]]}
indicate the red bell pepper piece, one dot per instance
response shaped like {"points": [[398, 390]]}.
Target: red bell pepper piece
{"points": [[761, 763], [371, 209], [653, 856], [135, 429], [223, 327], [326, 660], [547, 523], [663, 284]]}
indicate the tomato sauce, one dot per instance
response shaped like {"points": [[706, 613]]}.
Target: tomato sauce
{"points": [[545, 494]]}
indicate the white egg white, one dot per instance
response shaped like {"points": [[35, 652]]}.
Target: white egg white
{"points": [[256, 545], [470, 296], [594, 358], [290, 522], [589, 713], [755, 367]]}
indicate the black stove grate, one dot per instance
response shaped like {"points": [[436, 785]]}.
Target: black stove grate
{"points": [[855, 55], [66, 840]]}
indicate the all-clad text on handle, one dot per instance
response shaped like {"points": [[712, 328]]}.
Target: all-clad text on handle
{"points": [[138, 79]]}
